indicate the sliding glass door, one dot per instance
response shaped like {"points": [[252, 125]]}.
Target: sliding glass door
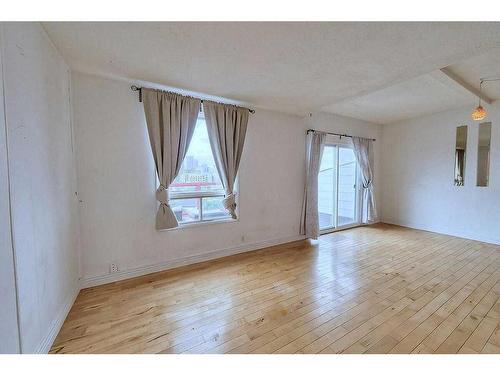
{"points": [[337, 191], [327, 188]]}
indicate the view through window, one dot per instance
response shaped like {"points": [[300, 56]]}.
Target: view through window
{"points": [[197, 192], [337, 193]]}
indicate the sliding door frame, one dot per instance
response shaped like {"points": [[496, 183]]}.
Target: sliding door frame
{"points": [[343, 143]]}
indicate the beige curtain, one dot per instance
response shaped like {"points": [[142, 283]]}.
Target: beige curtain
{"points": [[171, 119], [362, 147], [309, 222], [227, 126]]}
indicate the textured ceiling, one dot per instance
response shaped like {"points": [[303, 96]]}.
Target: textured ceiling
{"points": [[291, 67], [425, 94], [416, 97], [481, 66]]}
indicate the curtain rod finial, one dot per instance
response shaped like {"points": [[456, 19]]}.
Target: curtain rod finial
{"points": [[135, 88]]}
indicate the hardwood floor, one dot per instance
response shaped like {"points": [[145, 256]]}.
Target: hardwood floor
{"points": [[378, 289]]}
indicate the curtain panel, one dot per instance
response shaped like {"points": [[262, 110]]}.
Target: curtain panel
{"points": [[309, 222], [171, 119], [362, 148], [227, 126]]}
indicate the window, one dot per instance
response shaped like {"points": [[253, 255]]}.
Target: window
{"points": [[196, 194]]}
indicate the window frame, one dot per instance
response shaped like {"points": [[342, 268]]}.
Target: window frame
{"points": [[205, 194], [200, 196]]}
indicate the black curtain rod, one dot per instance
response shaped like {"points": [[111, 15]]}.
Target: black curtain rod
{"points": [[340, 135], [135, 88]]}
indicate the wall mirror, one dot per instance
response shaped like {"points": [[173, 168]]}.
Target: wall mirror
{"points": [[483, 154], [460, 149]]}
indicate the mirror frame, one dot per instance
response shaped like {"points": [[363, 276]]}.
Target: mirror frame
{"points": [[460, 155], [483, 154]]}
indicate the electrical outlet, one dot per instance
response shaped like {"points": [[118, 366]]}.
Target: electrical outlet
{"points": [[113, 268]]}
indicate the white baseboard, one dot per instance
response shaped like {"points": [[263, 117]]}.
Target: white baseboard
{"points": [[493, 241], [192, 259], [55, 327]]}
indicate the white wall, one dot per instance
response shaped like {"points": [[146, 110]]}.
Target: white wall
{"points": [[418, 169], [9, 334], [42, 182], [117, 184]]}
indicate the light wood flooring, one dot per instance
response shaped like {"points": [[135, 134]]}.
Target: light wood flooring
{"points": [[378, 289]]}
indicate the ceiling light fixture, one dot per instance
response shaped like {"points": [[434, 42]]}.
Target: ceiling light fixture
{"points": [[479, 112]]}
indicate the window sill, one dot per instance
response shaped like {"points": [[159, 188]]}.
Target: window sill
{"points": [[197, 224]]}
